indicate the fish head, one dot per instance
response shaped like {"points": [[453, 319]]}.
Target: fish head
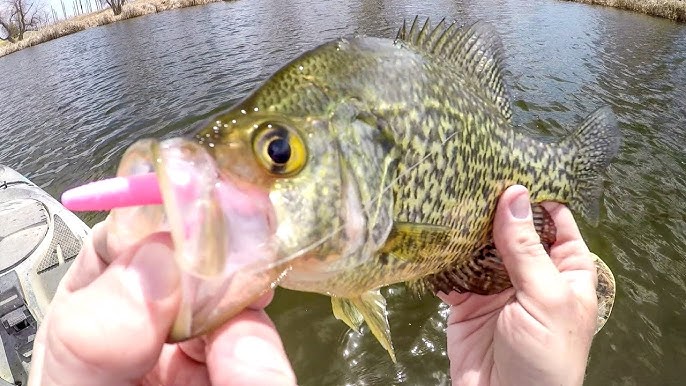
{"points": [[290, 184], [247, 201], [298, 163], [326, 169]]}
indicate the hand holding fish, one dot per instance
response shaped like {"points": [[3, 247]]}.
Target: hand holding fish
{"points": [[109, 320], [114, 309], [540, 331]]}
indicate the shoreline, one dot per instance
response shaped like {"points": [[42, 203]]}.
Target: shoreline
{"points": [[668, 9], [79, 23]]}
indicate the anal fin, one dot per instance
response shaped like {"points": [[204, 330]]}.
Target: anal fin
{"points": [[484, 273], [370, 307]]}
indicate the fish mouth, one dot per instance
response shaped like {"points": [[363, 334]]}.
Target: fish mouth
{"points": [[222, 231]]}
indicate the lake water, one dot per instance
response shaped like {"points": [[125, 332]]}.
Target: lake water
{"points": [[69, 108]]}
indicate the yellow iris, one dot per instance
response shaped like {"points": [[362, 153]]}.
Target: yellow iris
{"points": [[279, 149]]}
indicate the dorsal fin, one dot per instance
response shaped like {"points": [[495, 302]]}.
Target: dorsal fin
{"points": [[476, 50]]}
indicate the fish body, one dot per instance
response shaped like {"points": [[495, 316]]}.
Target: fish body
{"points": [[384, 159]]}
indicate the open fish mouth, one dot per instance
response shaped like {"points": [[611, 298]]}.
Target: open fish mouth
{"points": [[222, 231]]}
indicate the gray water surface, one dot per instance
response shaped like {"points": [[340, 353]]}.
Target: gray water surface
{"points": [[70, 107]]}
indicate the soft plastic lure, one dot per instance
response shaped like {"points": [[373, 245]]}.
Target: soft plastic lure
{"points": [[118, 192]]}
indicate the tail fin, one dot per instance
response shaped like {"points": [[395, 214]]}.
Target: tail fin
{"points": [[594, 143]]}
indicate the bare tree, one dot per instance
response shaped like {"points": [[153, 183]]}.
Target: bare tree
{"points": [[64, 10], [116, 5], [17, 17], [75, 7]]}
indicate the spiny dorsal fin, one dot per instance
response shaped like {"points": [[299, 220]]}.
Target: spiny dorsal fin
{"points": [[401, 32], [370, 306], [476, 50]]}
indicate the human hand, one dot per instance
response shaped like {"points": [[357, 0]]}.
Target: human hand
{"points": [[111, 315], [539, 332]]}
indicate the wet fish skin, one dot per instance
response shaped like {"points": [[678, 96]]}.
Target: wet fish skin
{"points": [[408, 146]]}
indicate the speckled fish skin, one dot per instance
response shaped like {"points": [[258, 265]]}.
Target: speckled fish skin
{"points": [[409, 145]]}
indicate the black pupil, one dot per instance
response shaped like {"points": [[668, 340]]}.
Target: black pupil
{"points": [[279, 150]]}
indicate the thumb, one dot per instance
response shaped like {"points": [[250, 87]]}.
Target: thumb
{"points": [[528, 265], [112, 330]]}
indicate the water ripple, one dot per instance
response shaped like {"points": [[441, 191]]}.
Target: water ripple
{"points": [[79, 101]]}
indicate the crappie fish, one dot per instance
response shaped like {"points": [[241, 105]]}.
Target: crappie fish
{"points": [[362, 163]]}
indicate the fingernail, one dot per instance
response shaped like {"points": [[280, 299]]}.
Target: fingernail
{"points": [[258, 353], [520, 207], [153, 271]]}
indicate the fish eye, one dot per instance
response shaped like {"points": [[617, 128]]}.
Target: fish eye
{"points": [[279, 149]]}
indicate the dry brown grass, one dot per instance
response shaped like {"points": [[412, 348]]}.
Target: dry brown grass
{"points": [[79, 23], [669, 9]]}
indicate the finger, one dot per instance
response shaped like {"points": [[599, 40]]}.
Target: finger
{"points": [[86, 267], [105, 242], [454, 298], [248, 351], [112, 331], [95, 255], [195, 348], [176, 368], [569, 252], [567, 229], [571, 256], [262, 302], [525, 259]]}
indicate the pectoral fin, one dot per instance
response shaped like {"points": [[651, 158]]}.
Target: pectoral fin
{"points": [[417, 243], [370, 307]]}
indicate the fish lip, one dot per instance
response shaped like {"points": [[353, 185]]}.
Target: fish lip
{"points": [[219, 222], [249, 223], [247, 229], [222, 229], [245, 198]]}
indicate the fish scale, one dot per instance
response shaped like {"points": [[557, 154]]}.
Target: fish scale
{"points": [[409, 145]]}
